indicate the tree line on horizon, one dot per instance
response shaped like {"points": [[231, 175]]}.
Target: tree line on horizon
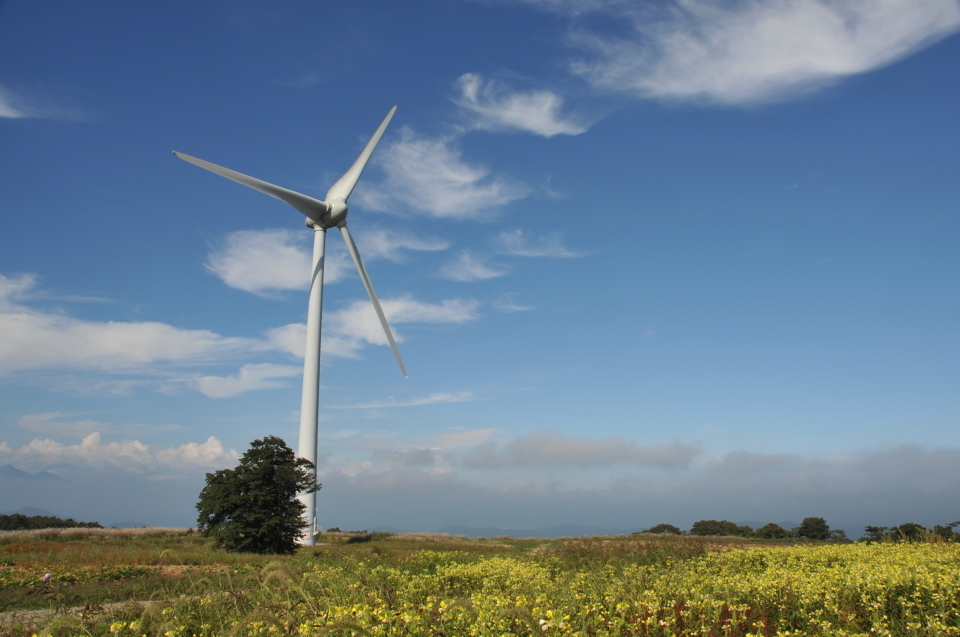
{"points": [[21, 522], [811, 528]]}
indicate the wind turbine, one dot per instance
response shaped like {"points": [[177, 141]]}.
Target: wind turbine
{"points": [[321, 215]]}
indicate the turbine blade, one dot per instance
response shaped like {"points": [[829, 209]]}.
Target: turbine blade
{"points": [[352, 249], [309, 206], [344, 186]]}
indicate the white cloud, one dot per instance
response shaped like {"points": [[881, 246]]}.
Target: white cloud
{"points": [[513, 242], [251, 377], [268, 261], [430, 176], [129, 455], [264, 261], [346, 330], [468, 267], [756, 50], [30, 339], [493, 107], [431, 399]]}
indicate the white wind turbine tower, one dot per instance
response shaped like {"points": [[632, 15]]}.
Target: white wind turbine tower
{"points": [[320, 216]]}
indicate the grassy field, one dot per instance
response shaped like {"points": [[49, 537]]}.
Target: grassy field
{"points": [[170, 582]]}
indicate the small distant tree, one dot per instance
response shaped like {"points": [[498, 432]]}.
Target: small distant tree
{"points": [[253, 508], [813, 528], [946, 531], [664, 528], [874, 533], [771, 531], [839, 536], [911, 531], [719, 527]]}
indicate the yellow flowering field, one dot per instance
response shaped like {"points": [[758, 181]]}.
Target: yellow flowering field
{"points": [[849, 589]]}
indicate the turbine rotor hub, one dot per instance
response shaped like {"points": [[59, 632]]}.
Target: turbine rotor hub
{"points": [[336, 213]]}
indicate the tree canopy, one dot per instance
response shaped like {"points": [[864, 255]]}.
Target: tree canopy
{"points": [[719, 527], [813, 528], [253, 508]]}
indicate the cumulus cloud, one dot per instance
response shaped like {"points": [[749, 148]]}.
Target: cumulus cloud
{"points": [[752, 51], [492, 106], [430, 399], [513, 242], [30, 339], [429, 175], [468, 267], [128, 455], [251, 377], [550, 449], [265, 261]]}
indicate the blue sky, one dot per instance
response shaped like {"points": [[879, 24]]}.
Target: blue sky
{"points": [[647, 262]]}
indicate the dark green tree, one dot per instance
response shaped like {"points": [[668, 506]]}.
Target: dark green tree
{"points": [[874, 533], [664, 528], [911, 532], [719, 527], [771, 531], [253, 508], [946, 531], [813, 528]]}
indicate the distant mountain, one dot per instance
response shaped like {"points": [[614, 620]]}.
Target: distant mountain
{"points": [[561, 530], [10, 472], [31, 511]]}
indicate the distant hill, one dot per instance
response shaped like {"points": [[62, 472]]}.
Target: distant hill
{"points": [[29, 511], [8, 472]]}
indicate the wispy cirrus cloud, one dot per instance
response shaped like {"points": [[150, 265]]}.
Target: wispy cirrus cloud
{"points": [[379, 243], [515, 243], [750, 51], [346, 331], [430, 176], [21, 105], [430, 399], [469, 267], [490, 105]]}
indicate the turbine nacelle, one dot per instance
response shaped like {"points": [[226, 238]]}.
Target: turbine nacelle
{"points": [[336, 214]]}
